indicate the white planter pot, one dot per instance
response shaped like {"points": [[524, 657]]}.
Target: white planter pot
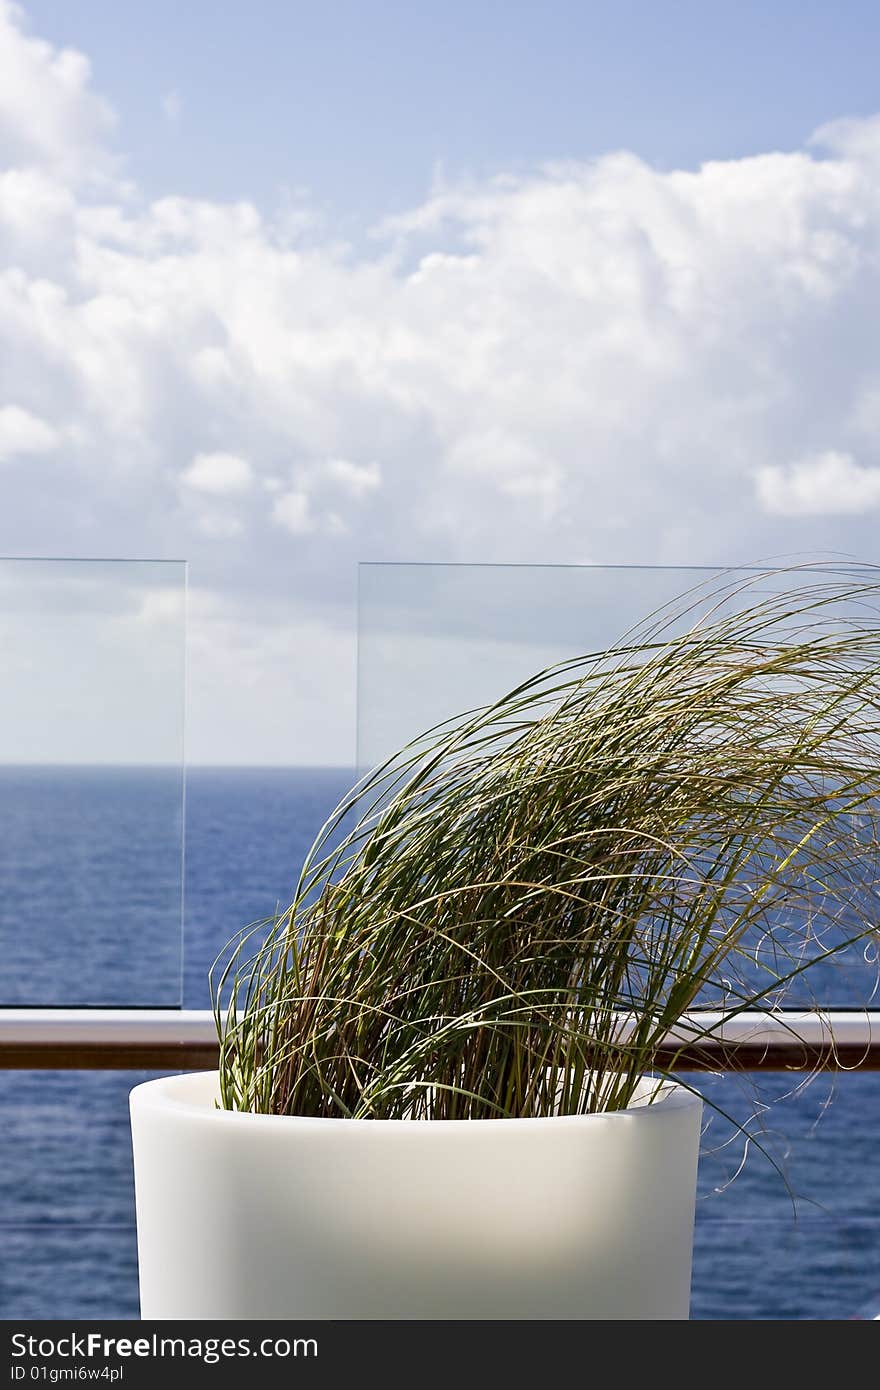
{"points": [[261, 1216]]}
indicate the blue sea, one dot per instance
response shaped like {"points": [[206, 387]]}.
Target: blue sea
{"points": [[90, 893]]}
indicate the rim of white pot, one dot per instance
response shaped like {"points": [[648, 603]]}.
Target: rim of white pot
{"points": [[194, 1095]]}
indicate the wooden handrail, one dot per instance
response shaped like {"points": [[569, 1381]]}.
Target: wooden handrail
{"points": [[186, 1040]]}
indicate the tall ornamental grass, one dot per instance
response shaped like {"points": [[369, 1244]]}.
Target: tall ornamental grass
{"points": [[510, 916]]}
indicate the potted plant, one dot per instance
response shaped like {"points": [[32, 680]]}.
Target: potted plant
{"points": [[438, 1094]]}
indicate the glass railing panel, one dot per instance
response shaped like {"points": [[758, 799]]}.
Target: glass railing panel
{"points": [[803, 1242], [437, 640], [248, 832], [67, 1236], [91, 781]]}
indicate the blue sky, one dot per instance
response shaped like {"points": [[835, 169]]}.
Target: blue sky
{"points": [[284, 288], [358, 101]]}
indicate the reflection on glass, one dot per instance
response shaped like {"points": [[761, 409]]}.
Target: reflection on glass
{"points": [[91, 781]]}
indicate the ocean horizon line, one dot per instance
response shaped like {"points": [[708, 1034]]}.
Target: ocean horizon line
{"points": [[187, 767]]}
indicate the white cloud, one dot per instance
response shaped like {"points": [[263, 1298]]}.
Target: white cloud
{"points": [[219, 474], [212, 367], [23, 433], [589, 361], [517, 468], [291, 510], [357, 479], [49, 116], [825, 484], [33, 203]]}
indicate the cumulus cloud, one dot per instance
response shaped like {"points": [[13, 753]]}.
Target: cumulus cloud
{"points": [[594, 361], [357, 479], [49, 116], [23, 433], [824, 484], [219, 474], [291, 510]]}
